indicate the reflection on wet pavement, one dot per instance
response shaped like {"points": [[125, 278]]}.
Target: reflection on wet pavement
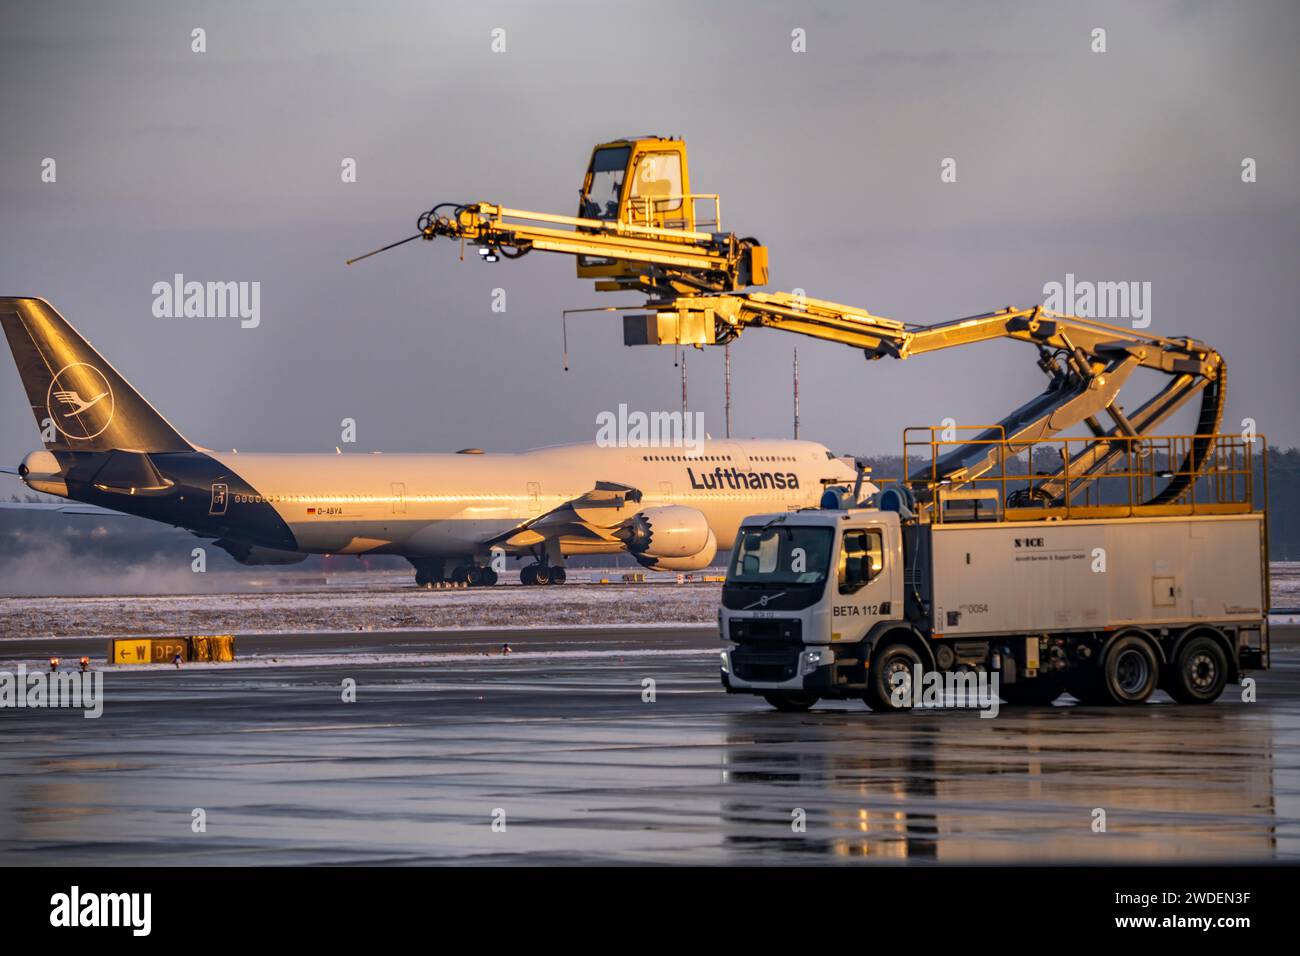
{"points": [[586, 771], [1176, 784]]}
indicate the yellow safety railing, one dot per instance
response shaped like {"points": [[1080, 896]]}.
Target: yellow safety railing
{"points": [[1033, 480], [643, 209]]}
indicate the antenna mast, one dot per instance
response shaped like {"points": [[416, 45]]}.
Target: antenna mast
{"points": [[727, 352], [796, 394]]}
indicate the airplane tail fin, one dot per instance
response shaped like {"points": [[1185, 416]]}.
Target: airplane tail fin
{"points": [[80, 401]]}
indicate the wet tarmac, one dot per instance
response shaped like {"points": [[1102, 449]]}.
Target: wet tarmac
{"points": [[455, 753]]}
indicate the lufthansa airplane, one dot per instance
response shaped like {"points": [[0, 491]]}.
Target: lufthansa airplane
{"points": [[107, 449]]}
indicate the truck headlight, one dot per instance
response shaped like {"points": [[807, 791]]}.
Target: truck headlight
{"points": [[809, 661], [726, 661]]}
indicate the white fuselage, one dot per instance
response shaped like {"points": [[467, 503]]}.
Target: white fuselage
{"points": [[448, 505]]}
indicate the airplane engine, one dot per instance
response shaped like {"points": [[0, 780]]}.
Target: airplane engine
{"points": [[693, 562], [669, 531], [41, 472]]}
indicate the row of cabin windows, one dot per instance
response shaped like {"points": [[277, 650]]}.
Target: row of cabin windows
{"points": [[686, 458], [715, 458]]}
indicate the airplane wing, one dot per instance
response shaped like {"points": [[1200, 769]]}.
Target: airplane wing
{"points": [[68, 509], [594, 515], [8, 471]]}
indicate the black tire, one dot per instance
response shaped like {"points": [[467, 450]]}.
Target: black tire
{"points": [[460, 575], [1199, 672], [789, 702], [528, 574], [474, 577], [487, 577], [1035, 692], [541, 574], [559, 575], [422, 579], [1130, 670], [886, 661]]}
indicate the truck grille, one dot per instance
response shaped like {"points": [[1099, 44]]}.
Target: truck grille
{"points": [[769, 666], [768, 650], [766, 629]]}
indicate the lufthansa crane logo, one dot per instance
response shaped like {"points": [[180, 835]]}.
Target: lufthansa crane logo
{"points": [[80, 401]]}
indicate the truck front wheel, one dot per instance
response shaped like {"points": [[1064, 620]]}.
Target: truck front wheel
{"points": [[893, 665], [1130, 670], [1199, 673], [790, 703]]}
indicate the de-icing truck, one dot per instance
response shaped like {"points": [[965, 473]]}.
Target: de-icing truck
{"points": [[1117, 564], [1109, 601]]}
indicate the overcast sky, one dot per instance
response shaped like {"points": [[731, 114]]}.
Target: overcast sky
{"points": [[225, 166]]}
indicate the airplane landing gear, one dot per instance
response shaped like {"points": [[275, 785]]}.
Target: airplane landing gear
{"points": [[474, 575], [481, 577], [431, 571], [428, 571], [541, 573]]}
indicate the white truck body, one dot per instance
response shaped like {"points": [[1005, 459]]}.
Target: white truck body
{"points": [[1047, 576], [813, 599]]}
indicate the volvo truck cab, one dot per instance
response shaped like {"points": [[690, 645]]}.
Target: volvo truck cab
{"points": [[803, 591]]}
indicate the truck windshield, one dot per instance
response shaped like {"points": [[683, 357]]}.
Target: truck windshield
{"points": [[608, 168], [781, 554]]}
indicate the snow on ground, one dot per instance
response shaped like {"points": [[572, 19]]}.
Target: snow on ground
{"points": [[1285, 581], [381, 607], [360, 602], [356, 658]]}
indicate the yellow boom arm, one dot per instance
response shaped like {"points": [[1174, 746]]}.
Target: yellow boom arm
{"points": [[637, 230]]}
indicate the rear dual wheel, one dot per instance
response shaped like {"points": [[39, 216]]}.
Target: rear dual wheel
{"points": [[1199, 672], [1128, 674]]}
